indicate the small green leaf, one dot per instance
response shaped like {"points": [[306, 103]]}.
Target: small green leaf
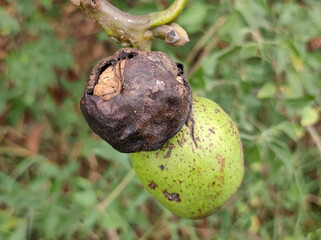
{"points": [[47, 4], [289, 129], [85, 198], [310, 116], [20, 232], [252, 154], [8, 24], [267, 91], [190, 21]]}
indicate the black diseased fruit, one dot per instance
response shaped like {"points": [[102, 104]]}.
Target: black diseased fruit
{"points": [[200, 168], [136, 100]]}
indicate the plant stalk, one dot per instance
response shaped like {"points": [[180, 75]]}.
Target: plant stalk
{"points": [[136, 31]]}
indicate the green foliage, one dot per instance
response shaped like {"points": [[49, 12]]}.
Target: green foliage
{"points": [[248, 56]]}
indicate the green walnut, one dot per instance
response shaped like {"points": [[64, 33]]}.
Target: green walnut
{"points": [[200, 168]]}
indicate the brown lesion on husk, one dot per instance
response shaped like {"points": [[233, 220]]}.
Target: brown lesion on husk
{"points": [[170, 147], [190, 123], [172, 196], [152, 185]]}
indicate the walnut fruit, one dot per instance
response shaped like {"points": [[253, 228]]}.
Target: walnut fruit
{"points": [[200, 168], [137, 100]]}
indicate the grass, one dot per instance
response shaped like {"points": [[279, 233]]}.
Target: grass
{"points": [[60, 181]]}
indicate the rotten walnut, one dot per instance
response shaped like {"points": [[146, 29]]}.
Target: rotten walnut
{"points": [[137, 100]]}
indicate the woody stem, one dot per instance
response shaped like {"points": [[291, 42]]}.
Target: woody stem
{"points": [[130, 30]]}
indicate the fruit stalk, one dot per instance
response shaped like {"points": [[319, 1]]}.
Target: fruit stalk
{"points": [[136, 31]]}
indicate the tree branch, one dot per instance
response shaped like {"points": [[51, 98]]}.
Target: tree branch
{"points": [[136, 31], [315, 136], [168, 15]]}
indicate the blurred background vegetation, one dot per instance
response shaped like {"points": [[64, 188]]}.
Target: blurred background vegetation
{"points": [[60, 181]]}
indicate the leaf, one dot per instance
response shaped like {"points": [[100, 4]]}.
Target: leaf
{"points": [[47, 4], [254, 12], [267, 91], [8, 24], [9, 221], [104, 150], [197, 80], [300, 103], [289, 129], [192, 19], [20, 232], [232, 29], [310, 116], [112, 220], [282, 60], [252, 154], [294, 84], [85, 198], [284, 154]]}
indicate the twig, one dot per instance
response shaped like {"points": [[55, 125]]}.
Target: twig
{"points": [[200, 44], [313, 199], [168, 15], [157, 224], [315, 136], [134, 31], [208, 49], [113, 195]]}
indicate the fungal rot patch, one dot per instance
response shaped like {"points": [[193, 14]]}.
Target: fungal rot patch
{"points": [[137, 100]]}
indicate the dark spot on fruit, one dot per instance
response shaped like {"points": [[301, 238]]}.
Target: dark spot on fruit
{"points": [[170, 148], [172, 196], [221, 161], [180, 181], [217, 110], [222, 178], [190, 123], [161, 167], [211, 130], [152, 185], [232, 127], [181, 142], [222, 164]]}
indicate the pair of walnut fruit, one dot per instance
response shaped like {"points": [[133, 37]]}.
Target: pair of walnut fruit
{"points": [[186, 151]]}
